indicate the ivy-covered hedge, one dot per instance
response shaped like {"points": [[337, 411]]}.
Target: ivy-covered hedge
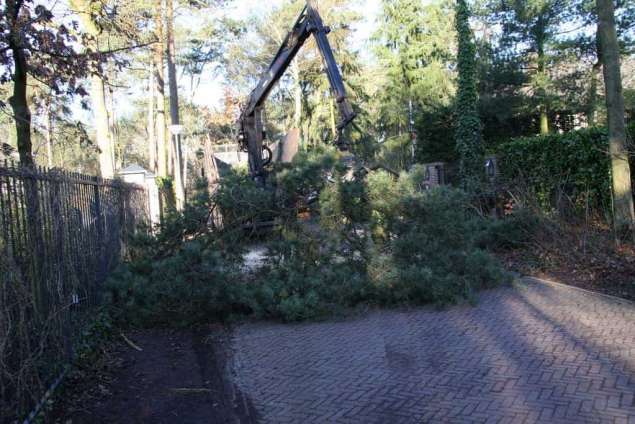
{"points": [[573, 167]]}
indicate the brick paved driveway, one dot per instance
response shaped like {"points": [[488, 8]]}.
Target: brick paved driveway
{"points": [[533, 353]]}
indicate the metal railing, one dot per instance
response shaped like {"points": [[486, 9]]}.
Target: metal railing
{"points": [[61, 233]]}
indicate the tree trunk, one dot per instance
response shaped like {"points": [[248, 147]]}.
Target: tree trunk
{"points": [[159, 81], [102, 127], [544, 122], [544, 116], [98, 98], [297, 94], [20, 105], [179, 176], [624, 217], [49, 134], [152, 140], [22, 116], [592, 96], [468, 127], [117, 150]]}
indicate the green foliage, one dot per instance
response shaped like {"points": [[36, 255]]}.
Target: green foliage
{"points": [[378, 240], [414, 44], [149, 244], [396, 152], [426, 252], [307, 278], [194, 284], [305, 176], [435, 133], [178, 273], [513, 231], [433, 256], [385, 193], [468, 128], [530, 32], [92, 338], [345, 201], [240, 201], [572, 166]]}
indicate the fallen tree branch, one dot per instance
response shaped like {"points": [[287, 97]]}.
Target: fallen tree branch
{"points": [[131, 343]]}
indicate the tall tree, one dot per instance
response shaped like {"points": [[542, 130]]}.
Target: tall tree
{"points": [[179, 176], [529, 29], [32, 44], [415, 47], [159, 81], [150, 126], [586, 44], [18, 101], [468, 130], [87, 11], [624, 215]]}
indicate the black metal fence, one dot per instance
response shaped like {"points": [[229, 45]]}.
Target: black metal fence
{"points": [[61, 233]]}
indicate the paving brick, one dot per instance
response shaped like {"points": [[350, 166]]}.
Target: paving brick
{"points": [[541, 353]]}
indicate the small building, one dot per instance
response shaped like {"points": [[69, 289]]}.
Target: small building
{"points": [[136, 174]]}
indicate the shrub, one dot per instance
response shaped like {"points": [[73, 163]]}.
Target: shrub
{"points": [[510, 232], [383, 194], [345, 214], [572, 165], [423, 250], [307, 277], [148, 244], [433, 250], [240, 201], [192, 285], [182, 272], [306, 175]]}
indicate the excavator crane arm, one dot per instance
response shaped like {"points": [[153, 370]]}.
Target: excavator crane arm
{"points": [[251, 121]]}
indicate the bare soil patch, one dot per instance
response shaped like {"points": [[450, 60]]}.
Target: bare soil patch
{"points": [[178, 376], [591, 262]]}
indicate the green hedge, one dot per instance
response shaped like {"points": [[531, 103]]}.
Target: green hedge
{"points": [[556, 166]]}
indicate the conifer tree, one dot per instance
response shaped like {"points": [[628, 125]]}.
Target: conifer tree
{"points": [[468, 125]]}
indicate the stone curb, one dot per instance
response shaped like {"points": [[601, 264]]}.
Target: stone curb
{"points": [[608, 296]]}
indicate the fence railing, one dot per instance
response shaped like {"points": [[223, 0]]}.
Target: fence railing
{"points": [[61, 233]]}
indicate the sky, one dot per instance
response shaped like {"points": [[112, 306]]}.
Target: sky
{"points": [[210, 91]]}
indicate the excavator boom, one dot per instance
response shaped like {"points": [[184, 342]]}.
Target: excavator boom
{"points": [[251, 122]]}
